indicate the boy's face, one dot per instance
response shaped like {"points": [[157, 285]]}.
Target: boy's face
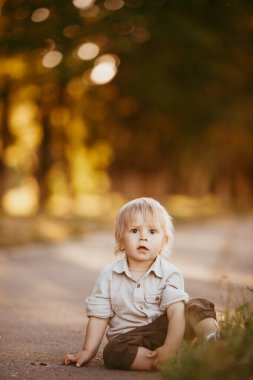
{"points": [[142, 242]]}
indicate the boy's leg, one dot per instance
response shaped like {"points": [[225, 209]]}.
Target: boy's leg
{"points": [[142, 362], [207, 329], [201, 319], [122, 355], [129, 350]]}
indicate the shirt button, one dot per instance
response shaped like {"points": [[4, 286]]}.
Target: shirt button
{"points": [[141, 307], [138, 285], [157, 298]]}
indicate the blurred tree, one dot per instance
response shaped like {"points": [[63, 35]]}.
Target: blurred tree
{"points": [[5, 133], [177, 116]]}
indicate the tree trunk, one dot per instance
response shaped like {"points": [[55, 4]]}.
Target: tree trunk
{"points": [[4, 99]]}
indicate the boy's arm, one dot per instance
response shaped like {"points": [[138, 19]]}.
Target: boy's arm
{"points": [[175, 334], [94, 334]]}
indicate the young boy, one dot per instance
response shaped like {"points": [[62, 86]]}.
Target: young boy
{"points": [[141, 297]]}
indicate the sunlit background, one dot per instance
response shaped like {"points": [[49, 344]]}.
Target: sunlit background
{"points": [[103, 101]]}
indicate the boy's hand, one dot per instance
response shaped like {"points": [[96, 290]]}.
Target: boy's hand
{"points": [[80, 358], [94, 334], [160, 356]]}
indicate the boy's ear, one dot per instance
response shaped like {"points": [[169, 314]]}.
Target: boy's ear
{"points": [[120, 245], [165, 240]]}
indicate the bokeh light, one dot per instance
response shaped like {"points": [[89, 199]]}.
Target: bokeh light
{"points": [[75, 87], [52, 59], [109, 58], [88, 51], [22, 200], [113, 5], [140, 35], [103, 73], [105, 69], [91, 13], [83, 4], [40, 14], [71, 30]]}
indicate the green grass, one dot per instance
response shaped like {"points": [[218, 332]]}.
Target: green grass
{"points": [[229, 358]]}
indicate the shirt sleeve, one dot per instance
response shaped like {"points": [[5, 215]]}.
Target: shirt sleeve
{"points": [[98, 304], [174, 290]]}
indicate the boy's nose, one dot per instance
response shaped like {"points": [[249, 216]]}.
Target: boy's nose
{"points": [[143, 238]]}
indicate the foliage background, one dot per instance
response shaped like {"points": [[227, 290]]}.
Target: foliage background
{"points": [[174, 123]]}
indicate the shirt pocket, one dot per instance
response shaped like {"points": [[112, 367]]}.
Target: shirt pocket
{"points": [[154, 299]]}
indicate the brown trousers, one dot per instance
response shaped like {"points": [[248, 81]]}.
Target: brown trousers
{"points": [[120, 352]]}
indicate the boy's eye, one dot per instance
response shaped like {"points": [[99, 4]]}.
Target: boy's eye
{"points": [[134, 230], [152, 231]]}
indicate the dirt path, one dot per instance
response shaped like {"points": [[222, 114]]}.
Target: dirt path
{"points": [[42, 292]]}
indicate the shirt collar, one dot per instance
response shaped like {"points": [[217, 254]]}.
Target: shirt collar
{"points": [[122, 267], [156, 267]]}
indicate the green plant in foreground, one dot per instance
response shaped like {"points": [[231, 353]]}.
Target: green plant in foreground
{"points": [[228, 358]]}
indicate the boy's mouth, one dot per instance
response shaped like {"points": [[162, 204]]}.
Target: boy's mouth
{"points": [[142, 248]]}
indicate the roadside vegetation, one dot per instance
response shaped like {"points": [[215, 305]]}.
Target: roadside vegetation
{"points": [[230, 357]]}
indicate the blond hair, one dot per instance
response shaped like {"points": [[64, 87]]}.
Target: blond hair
{"points": [[150, 209]]}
